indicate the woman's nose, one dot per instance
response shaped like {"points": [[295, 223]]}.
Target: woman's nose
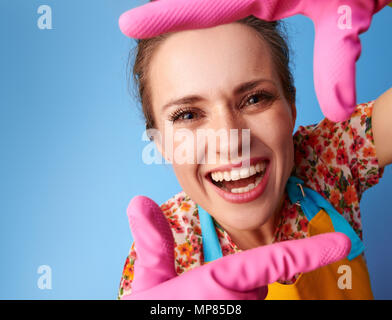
{"points": [[231, 135]]}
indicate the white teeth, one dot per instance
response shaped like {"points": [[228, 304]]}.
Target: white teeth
{"points": [[244, 173], [241, 173], [235, 175], [217, 176], [247, 188], [220, 176]]}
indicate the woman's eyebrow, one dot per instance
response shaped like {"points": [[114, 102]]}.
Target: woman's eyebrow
{"points": [[249, 85], [241, 88], [184, 100]]}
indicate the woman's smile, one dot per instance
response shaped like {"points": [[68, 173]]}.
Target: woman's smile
{"points": [[238, 184]]}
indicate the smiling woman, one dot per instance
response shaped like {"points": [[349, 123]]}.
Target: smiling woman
{"points": [[221, 69], [237, 76]]}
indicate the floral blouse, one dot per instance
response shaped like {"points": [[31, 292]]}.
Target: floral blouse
{"points": [[338, 160]]}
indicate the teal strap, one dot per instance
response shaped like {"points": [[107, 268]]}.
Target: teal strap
{"points": [[312, 203], [211, 246]]}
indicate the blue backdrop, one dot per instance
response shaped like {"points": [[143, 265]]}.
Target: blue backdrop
{"points": [[71, 144]]}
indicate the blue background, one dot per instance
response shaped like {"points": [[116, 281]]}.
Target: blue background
{"points": [[70, 140]]}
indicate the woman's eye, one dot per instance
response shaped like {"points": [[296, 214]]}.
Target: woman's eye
{"points": [[183, 115], [187, 116], [258, 97]]}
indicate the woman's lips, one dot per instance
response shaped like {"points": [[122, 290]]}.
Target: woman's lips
{"points": [[245, 196]]}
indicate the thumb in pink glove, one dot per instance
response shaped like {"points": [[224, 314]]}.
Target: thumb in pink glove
{"points": [[336, 49], [243, 275]]}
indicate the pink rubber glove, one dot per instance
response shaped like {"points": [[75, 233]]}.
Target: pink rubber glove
{"points": [[335, 50], [243, 275]]}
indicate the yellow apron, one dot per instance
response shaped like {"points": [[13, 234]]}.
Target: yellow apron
{"points": [[345, 279], [340, 280]]}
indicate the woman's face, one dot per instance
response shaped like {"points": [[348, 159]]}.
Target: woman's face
{"points": [[213, 65]]}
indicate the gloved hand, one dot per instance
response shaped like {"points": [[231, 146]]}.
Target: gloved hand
{"points": [[335, 51], [243, 275]]}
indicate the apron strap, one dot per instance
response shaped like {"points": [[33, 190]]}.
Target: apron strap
{"points": [[312, 202], [211, 246]]}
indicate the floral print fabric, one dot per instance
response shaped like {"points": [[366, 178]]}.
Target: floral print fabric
{"points": [[338, 160]]}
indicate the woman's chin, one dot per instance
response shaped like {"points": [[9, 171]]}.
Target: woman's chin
{"points": [[246, 220]]}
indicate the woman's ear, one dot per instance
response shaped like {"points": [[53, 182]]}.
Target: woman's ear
{"points": [[294, 114], [156, 143], [160, 146], [293, 107]]}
